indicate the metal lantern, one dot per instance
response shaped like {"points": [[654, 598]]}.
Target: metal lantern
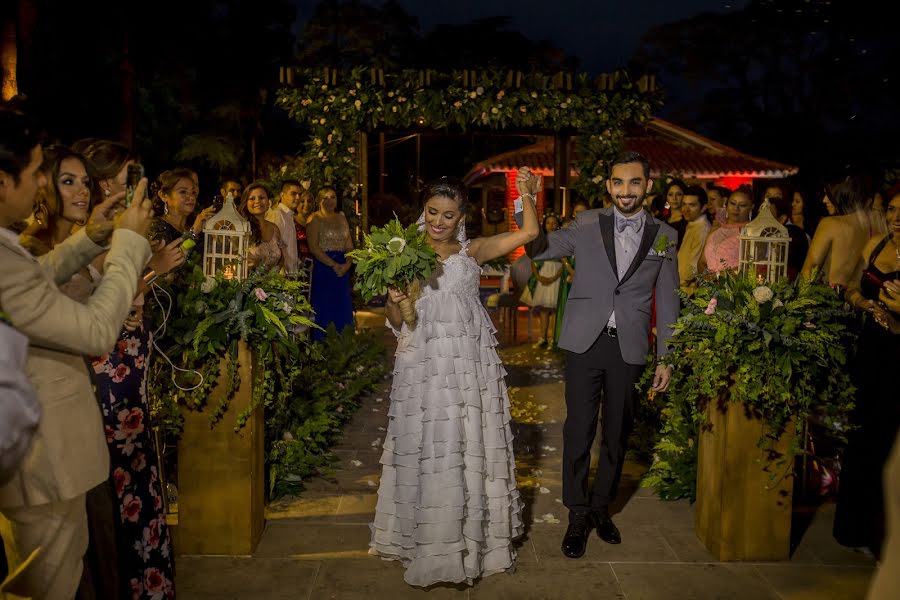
{"points": [[227, 240], [764, 247]]}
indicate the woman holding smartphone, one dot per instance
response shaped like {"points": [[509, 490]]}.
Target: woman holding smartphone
{"points": [[860, 519]]}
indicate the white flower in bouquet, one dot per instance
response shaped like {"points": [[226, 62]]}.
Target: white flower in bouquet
{"points": [[762, 293], [393, 257], [396, 245], [208, 286]]}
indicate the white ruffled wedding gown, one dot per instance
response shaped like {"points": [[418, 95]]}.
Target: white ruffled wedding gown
{"points": [[448, 506]]}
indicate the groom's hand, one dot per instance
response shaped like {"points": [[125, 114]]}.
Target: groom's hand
{"points": [[661, 378]]}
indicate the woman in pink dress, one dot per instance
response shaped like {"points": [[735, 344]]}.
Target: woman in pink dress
{"points": [[723, 246]]}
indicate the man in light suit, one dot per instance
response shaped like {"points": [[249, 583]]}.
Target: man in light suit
{"points": [[624, 258], [44, 501]]}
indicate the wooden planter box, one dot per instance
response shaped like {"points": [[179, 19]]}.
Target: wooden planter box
{"points": [[221, 484], [743, 509]]}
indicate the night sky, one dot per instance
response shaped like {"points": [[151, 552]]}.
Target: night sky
{"points": [[603, 34]]}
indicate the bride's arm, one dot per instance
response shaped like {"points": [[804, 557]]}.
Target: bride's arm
{"points": [[489, 248]]}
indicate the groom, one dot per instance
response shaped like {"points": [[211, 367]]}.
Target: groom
{"points": [[623, 255]]}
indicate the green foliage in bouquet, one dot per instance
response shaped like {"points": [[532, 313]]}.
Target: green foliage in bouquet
{"points": [[392, 256], [780, 350]]}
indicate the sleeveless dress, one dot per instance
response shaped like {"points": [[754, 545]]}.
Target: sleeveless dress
{"points": [[859, 519], [539, 294], [448, 507], [330, 295]]}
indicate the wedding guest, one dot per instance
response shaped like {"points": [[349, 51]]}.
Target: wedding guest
{"points": [[798, 247], [542, 291], [266, 246], [305, 209], [722, 248], [674, 193], [329, 238], [859, 520], [886, 582], [448, 508], [283, 215], [230, 185], [717, 198], [45, 500], [109, 162], [693, 210], [836, 247], [133, 492], [176, 194]]}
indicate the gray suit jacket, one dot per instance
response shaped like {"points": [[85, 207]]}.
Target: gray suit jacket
{"points": [[597, 290]]}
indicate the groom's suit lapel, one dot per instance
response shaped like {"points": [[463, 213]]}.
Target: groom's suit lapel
{"points": [[607, 232], [650, 229]]}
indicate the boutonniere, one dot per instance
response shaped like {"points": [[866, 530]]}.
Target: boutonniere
{"points": [[662, 246], [4, 318]]}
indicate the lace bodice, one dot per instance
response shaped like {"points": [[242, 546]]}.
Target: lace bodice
{"points": [[459, 274]]}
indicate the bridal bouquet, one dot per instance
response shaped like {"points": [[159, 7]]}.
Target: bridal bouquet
{"points": [[394, 256]]}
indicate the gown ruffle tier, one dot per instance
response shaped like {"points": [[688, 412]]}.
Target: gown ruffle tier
{"points": [[448, 507]]}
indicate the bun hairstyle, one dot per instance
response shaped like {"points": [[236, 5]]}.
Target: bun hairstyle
{"points": [[106, 157], [448, 187], [164, 185]]}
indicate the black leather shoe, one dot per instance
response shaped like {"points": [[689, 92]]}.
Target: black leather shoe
{"points": [[575, 540], [606, 529]]}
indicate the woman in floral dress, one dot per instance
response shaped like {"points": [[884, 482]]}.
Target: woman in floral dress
{"points": [[143, 548]]}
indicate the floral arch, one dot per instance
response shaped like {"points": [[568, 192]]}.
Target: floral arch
{"points": [[341, 107]]}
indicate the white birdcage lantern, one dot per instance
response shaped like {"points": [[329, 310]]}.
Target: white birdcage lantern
{"points": [[227, 240], [764, 247]]}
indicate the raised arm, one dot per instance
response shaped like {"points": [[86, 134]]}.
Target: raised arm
{"points": [[489, 248], [50, 318]]}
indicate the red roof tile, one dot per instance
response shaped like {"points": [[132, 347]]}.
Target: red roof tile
{"points": [[671, 150]]}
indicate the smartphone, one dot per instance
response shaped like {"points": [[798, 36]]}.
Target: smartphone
{"points": [[132, 178]]}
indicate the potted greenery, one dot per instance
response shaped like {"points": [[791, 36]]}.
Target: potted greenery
{"points": [[753, 365]]}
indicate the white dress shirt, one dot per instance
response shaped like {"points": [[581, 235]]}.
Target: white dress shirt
{"points": [[627, 243], [283, 218]]}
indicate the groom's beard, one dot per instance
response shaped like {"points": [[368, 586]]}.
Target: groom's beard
{"points": [[629, 205]]}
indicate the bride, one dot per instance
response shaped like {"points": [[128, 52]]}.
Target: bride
{"points": [[448, 507]]}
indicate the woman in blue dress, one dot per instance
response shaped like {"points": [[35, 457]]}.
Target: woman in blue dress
{"points": [[328, 234]]}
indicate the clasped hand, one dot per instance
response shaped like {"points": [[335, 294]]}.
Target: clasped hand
{"points": [[528, 182]]}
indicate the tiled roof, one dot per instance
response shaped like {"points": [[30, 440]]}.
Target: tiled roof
{"points": [[671, 150]]}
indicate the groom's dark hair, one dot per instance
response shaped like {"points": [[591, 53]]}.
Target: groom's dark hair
{"points": [[629, 156]]}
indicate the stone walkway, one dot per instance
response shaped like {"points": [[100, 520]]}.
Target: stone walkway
{"points": [[315, 546]]}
